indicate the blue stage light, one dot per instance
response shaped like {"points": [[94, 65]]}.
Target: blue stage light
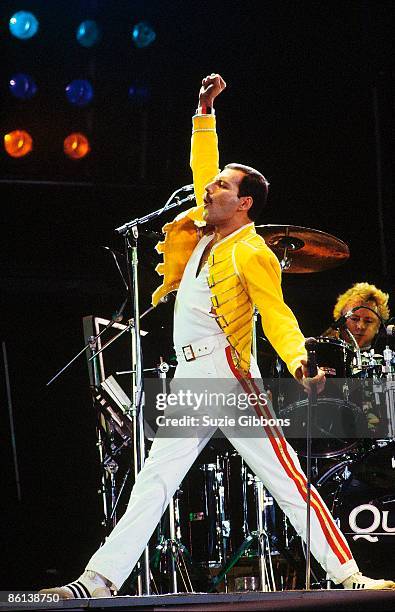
{"points": [[79, 92], [139, 92], [88, 33], [143, 35], [22, 86], [23, 25]]}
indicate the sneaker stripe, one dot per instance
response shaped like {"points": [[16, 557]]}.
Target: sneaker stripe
{"points": [[83, 589], [79, 590], [74, 591]]}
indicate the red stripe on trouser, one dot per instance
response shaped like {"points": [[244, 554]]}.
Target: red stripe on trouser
{"points": [[335, 541]]}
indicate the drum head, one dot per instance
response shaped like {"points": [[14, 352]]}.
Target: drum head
{"points": [[337, 426], [361, 495]]}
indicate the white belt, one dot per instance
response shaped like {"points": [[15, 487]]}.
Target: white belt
{"points": [[190, 352]]}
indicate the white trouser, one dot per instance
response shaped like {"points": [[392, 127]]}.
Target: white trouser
{"points": [[269, 455]]}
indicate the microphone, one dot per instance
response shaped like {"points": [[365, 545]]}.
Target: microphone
{"points": [[310, 345], [186, 187], [118, 314], [341, 320]]}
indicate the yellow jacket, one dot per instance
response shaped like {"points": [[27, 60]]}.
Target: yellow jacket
{"points": [[243, 271]]}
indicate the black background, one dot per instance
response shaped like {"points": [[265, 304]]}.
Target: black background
{"points": [[302, 80]]}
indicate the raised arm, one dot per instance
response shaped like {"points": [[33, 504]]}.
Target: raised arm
{"points": [[204, 144]]}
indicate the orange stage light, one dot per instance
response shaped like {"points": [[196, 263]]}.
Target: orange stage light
{"points": [[76, 146], [18, 143]]}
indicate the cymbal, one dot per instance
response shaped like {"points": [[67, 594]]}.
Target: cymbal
{"points": [[302, 249]]}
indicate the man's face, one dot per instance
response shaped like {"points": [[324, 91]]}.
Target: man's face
{"points": [[221, 199], [363, 324]]}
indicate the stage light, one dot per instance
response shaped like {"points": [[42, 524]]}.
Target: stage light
{"points": [[143, 35], [139, 93], [76, 145], [88, 33], [79, 92], [23, 25], [18, 143], [22, 86]]}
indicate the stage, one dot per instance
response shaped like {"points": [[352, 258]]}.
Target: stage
{"points": [[336, 599]]}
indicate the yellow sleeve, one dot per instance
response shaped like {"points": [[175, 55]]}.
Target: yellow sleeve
{"points": [[260, 272], [204, 153]]}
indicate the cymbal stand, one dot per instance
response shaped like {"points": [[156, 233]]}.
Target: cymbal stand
{"points": [[263, 538], [267, 581], [174, 546], [288, 243]]}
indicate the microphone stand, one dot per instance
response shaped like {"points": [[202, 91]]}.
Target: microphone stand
{"points": [[123, 229], [130, 232], [310, 345]]}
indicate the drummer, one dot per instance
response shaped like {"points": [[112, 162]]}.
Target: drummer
{"points": [[370, 307]]}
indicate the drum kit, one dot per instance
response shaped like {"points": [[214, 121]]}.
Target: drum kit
{"points": [[227, 529]]}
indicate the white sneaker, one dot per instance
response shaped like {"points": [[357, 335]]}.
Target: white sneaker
{"points": [[90, 584], [357, 581]]}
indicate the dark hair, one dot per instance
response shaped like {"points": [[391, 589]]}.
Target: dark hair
{"points": [[255, 185]]}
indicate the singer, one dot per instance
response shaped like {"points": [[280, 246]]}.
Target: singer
{"points": [[221, 267]]}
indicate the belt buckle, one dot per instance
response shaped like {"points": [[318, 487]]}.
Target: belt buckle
{"points": [[188, 352]]}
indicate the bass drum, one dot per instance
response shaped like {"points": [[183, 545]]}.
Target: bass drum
{"points": [[339, 423], [361, 495]]}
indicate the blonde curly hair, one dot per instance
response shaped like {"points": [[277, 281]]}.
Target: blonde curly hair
{"points": [[366, 293]]}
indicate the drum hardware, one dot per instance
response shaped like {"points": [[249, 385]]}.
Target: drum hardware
{"points": [[388, 371], [377, 374], [301, 249], [356, 346], [207, 522], [259, 537], [172, 546], [266, 580]]}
